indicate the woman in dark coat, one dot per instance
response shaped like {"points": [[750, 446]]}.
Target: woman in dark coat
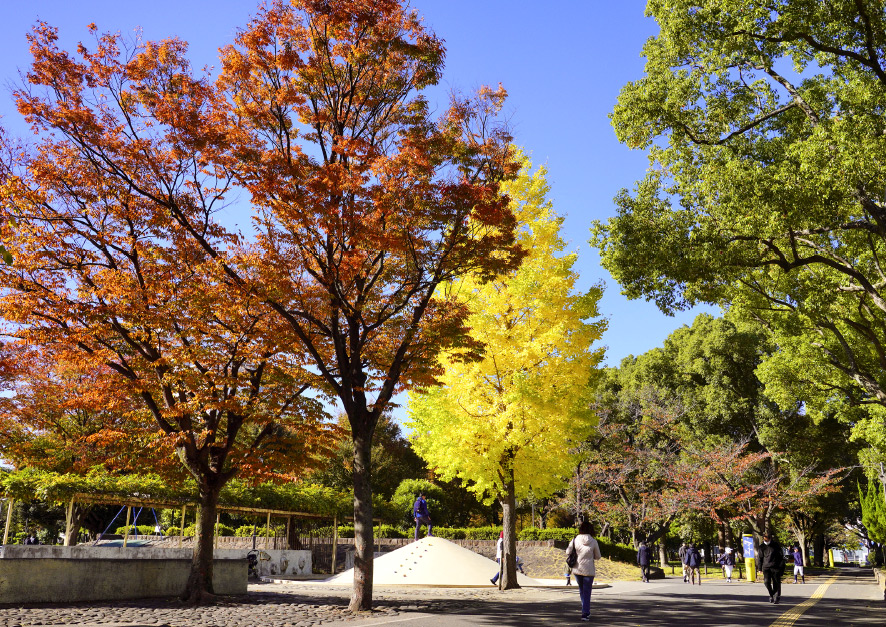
{"points": [[693, 560], [644, 558]]}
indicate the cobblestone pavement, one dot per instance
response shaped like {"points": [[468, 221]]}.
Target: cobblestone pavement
{"points": [[282, 605]]}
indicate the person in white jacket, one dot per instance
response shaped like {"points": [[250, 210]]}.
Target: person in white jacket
{"points": [[587, 551]]}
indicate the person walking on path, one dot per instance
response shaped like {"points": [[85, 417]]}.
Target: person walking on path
{"points": [[587, 552], [727, 561], [771, 558], [422, 516], [644, 558], [499, 553], [693, 561], [797, 554], [684, 549]]}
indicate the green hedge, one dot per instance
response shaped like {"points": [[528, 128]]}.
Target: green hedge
{"points": [[143, 530], [620, 552], [380, 531], [244, 531], [563, 534], [449, 533], [261, 531], [191, 530]]}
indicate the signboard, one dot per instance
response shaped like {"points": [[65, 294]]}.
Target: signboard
{"points": [[747, 545]]}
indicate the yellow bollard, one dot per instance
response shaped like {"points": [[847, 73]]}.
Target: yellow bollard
{"points": [[831, 558], [751, 566], [747, 545]]}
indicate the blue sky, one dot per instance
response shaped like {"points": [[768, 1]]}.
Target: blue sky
{"points": [[563, 63]]}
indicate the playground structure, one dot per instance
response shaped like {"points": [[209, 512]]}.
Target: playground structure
{"points": [[99, 570]]}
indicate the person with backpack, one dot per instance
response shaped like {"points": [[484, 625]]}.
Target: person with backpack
{"points": [[581, 554], [771, 559], [421, 514], [644, 559], [684, 549], [693, 562], [727, 561]]}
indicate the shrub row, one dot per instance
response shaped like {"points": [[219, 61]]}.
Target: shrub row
{"points": [[614, 550], [143, 530], [244, 531], [609, 549]]}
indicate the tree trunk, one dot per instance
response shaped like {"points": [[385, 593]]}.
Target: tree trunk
{"points": [[293, 541], [818, 549], [199, 587], [663, 551], [578, 495], [721, 535], [77, 516], [800, 537], [361, 598], [509, 556]]}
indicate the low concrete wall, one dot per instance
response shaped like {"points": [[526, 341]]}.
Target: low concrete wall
{"points": [[86, 551], [272, 562], [65, 580]]}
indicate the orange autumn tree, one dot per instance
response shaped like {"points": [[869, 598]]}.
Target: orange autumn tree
{"points": [[100, 269], [58, 417], [367, 203]]}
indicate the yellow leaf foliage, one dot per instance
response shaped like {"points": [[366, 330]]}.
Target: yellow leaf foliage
{"points": [[524, 404]]}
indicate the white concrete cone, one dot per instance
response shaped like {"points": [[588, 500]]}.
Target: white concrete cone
{"points": [[432, 562]]}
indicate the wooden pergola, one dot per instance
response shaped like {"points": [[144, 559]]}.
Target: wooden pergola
{"points": [[130, 501]]}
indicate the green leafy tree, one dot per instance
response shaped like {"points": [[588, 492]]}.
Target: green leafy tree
{"points": [[688, 427], [765, 133], [393, 459], [873, 516], [507, 421]]}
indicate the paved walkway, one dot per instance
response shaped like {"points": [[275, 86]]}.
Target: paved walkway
{"points": [[852, 599]]}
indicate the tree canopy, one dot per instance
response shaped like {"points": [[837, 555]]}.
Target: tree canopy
{"points": [[365, 202], [688, 428], [764, 127], [508, 421]]}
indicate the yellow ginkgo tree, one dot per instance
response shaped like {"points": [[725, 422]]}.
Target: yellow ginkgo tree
{"points": [[506, 420]]}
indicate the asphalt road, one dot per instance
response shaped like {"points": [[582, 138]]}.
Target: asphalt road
{"points": [[850, 599]]}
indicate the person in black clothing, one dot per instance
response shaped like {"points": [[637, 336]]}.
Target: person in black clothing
{"points": [[693, 561], [771, 557], [422, 516], [644, 557], [683, 552]]}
